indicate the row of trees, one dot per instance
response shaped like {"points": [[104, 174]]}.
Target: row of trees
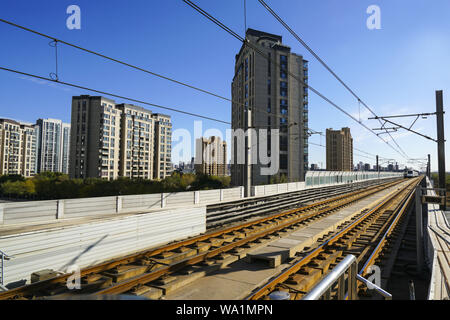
{"points": [[435, 178], [54, 185]]}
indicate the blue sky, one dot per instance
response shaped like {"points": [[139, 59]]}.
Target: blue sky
{"points": [[394, 70]]}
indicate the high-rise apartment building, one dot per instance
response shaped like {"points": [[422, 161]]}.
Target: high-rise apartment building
{"points": [[339, 150], [94, 138], [163, 146], [17, 148], [65, 148], [211, 156], [53, 142], [276, 100], [109, 140], [137, 142]]}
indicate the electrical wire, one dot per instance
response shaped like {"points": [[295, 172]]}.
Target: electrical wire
{"points": [[246, 42], [112, 95], [55, 41], [54, 76], [285, 25]]}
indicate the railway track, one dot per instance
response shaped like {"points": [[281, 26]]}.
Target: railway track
{"points": [[367, 236], [135, 274], [236, 211]]}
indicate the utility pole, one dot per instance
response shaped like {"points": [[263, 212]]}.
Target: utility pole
{"points": [[441, 140], [429, 167], [378, 168], [248, 157]]}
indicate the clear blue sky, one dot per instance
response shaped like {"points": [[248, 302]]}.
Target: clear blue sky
{"points": [[394, 70]]}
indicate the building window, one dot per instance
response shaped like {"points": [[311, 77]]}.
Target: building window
{"points": [[283, 88], [283, 162], [283, 106], [283, 143], [283, 64], [246, 69]]}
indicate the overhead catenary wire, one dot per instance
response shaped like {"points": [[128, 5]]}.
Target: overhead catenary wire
{"points": [[114, 60], [292, 32], [56, 40], [359, 155], [113, 95], [245, 42]]}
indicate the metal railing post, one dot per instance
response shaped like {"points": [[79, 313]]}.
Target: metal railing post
{"points": [[4, 257], [352, 287], [419, 232], [341, 288], [323, 288]]}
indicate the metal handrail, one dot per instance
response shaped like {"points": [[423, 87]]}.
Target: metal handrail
{"points": [[323, 288], [373, 286], [4, 257], [350, 264]]}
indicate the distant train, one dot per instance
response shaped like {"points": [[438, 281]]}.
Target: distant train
{"points": [[411, 173]]}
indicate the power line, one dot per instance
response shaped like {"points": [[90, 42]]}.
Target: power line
{"points": [[273, 13], [246, 42], [116, 60], [56, 40], [359, 155], [316, 144], [113, 95]]}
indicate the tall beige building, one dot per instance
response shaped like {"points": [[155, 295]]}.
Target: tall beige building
{"points": [[137, 143], [109, 140], [339, 150], [211, 156], [17, 148]]}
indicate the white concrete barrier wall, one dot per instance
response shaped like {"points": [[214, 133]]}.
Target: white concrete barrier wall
{"points": [[141, 202], [209, 196], [317, 179], [95, 242], [31, 212]]}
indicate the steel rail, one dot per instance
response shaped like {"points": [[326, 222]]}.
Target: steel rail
{"points": [[381, 243], [28, 289], [151, 276], [297, 266], [388, 232], [217, 218]]}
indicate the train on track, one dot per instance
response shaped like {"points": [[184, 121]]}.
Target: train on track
{"points": [[411, 174]]}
